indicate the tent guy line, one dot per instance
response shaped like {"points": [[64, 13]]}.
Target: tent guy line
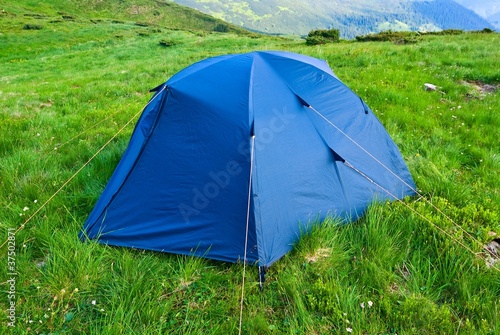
{"points": [[125, 107], [362, 148], [35, 213], [393, 173], [246, 233], [420, 215], [421, 196], [57, 147]]}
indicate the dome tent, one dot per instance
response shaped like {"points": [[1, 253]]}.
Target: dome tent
{"points": [[235, 154]]}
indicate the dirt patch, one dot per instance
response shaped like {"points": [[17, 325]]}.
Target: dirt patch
{"points": [[478, 89], [318, 254], [394, 288]]}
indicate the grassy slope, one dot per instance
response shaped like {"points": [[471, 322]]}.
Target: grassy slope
{"points": [[162, 13], [61, 80]]}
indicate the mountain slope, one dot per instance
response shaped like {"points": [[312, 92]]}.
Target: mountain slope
{"points": [[489, 9], [449, 14], [144, 12], [352, 18], [484, 8]]}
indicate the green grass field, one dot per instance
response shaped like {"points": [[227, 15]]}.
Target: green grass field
{"points": [[72, 78]]}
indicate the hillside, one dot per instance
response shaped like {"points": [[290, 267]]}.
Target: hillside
{"points": [[484, 8], [74, 78], [495, 20], [145, 13], [351, 17], [488, 9]]}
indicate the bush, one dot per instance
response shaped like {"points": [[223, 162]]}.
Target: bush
{"points": [[405, 40], [487, 31], [323, 36], [167, 43], [444, 32], [221, 28], [452, 32], [29, 26], [397, 37]]}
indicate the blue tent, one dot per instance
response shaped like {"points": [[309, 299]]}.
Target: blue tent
{"points": [[246, 150]]}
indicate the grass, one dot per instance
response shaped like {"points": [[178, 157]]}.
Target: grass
{"points": [[67, 88]]}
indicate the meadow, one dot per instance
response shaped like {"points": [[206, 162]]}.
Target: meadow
{"points": [[72, 87]]}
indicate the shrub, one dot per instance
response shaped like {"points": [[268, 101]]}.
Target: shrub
{"points": [[397, 37], [405, 40], [422, 315], [221, 28], [36, 16], [452, 32], [487, 31], [323, 36], [30, 26], [167, 43], [444, 32]]}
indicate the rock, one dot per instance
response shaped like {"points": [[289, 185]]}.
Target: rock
{"points": [[430, 87], [494, 247]]}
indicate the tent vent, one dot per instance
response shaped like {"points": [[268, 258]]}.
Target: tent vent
{"points": [[337, 157], [302, 101], [365, 107], [157, 88]]}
